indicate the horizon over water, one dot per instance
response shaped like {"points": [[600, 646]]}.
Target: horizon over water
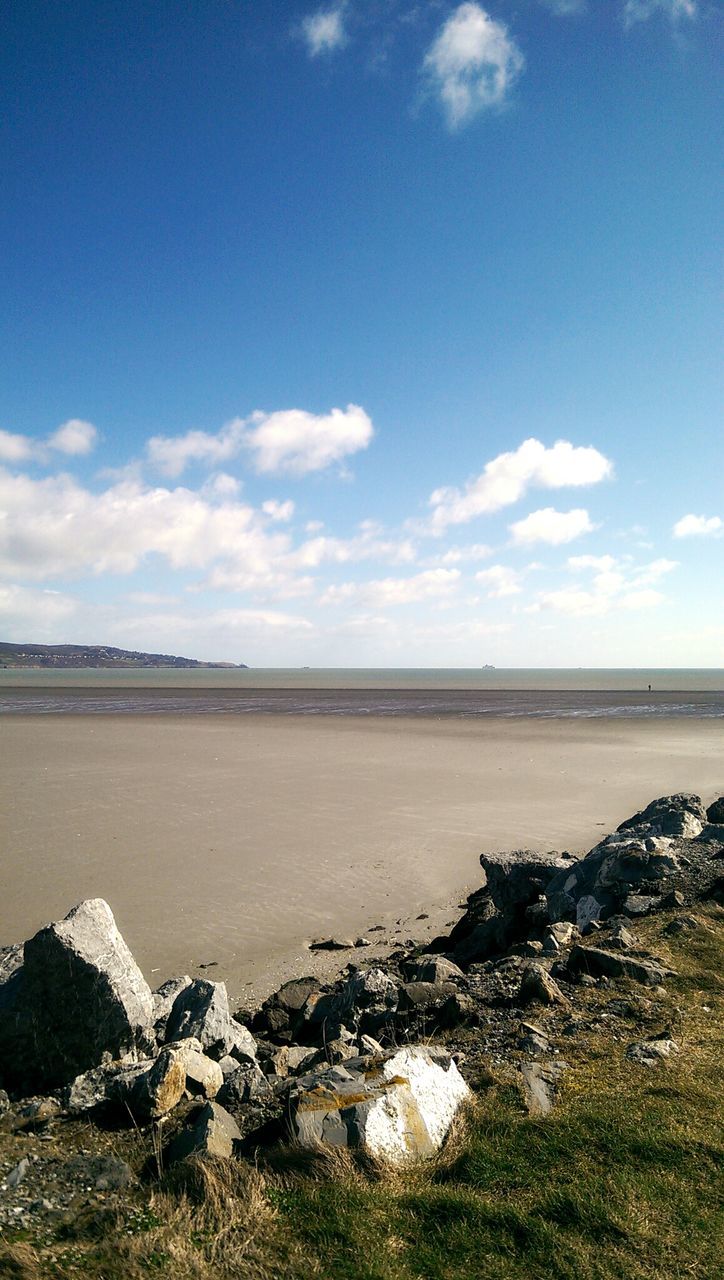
{"points": [[378, 691]]}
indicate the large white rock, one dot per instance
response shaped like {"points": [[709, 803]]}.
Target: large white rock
{"points": [[399, 1107]]}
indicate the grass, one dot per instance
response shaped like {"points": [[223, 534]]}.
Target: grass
{"points": [[621, 1182]]}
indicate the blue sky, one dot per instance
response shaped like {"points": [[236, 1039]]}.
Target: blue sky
{"points": [[381, 333]]}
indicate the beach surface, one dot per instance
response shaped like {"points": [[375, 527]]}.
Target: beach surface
{"points": [[225, 845]]}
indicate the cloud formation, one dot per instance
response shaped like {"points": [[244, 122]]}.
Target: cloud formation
{"points": [[74, 438], [698, 526], [431, 584], [472, 64], [289, 441], [324, 31], [499, 581], [551, 526], [508, 477], [614, 584], [641, 10]]}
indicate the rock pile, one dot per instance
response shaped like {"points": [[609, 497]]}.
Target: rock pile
{"points": [[351, 1062]]}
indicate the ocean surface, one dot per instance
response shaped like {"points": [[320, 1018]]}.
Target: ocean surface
{"points": [[500, 692]]}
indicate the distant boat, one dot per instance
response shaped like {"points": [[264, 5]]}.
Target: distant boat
{"points": [[488, 667]]}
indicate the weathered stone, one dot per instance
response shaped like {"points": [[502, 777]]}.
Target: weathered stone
{"points": [[620, 937], [680, 815], [532, 1039], [77, 997], [282, 1011], [424, 995], [290, 1059], [597, 962], [368, 1000], [531, 948], [715, 812], [164, 999], [681, 924], [246, 1084], [201, 1011], [538, 986], [508, 906], [105, 1173], [18, 1173], [541, 1081], [368, 1045], [213, 1132], [333, 944], [650, 1053], [399, 1108], [203, 1075], [155, 1091], [635, 904], [434, 969]]}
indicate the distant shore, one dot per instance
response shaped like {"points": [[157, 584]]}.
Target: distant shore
{"points": [[234, 842]]}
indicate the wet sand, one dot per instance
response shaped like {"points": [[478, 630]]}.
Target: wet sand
{"points": [[238, 841]]}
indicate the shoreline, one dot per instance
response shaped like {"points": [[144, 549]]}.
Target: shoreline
{"points": [[232, 842]]}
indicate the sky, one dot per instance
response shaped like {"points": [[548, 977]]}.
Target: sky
{"points": [[381, 333]]}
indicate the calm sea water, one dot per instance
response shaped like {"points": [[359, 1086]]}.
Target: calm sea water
{"points": [[580, 692]]}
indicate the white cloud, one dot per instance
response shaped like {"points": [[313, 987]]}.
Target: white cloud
{"points": [[698, 526], [289, 441], [641, 10], [432, 584], [506, 478], [457, 555], [369, 544], [551, 526], [324, 31], [472, 63], [278, 511], [499, 581], [615, 584], [603, 564], [296, 442], [27, 613], [75, 437]]}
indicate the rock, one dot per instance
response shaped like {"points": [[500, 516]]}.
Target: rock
{"points": [[649, 1053], [38, 1111], [334, 1051], [247, 1084], [201, 1011], [597, 962], [282, 1011], [333, 944], [399, 1108], [508, 906], [541, 1081], [715, 812], [164, 999], [213, 1132], [620, 937], [4, 1102], [640, 904], [681, 815], [77, 995], [368, 1045], [154, 1091], [203, 1075], [532, 1039], [362, 942], [434, 969], [424, 995], [538, 985], [681, 924], [290, 1059], [368, 999], [105, 1173], [17, 1175], [531, 948]]}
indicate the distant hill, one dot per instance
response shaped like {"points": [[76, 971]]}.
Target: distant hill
{"points": [[93, 655]]}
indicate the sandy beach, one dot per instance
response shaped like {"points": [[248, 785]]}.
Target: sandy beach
{"points": [[234, 842]]}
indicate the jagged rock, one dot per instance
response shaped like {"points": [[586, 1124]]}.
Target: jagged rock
{"points": [[597, 962], [282, 1011], [681, 815], [532, 947], [541, 1081], [680, 924], [433, 969], [715, 812], [213, 1132], [537, 985], [650, 1053], [425, 995], [290, 1059], [201, 1011], [333, 1052], [640, 904], [71, 995], [106, 1173], [18, 1173], [368, 1045], [146, 1089], [399, 1108], [612, 876], [369, 999], [532, 1039], [164, 999], [620, 937], [247, 1084], [203, 1075], [508, 906], [4, 1102]]}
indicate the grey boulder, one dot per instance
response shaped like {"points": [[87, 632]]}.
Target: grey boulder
{"points": [[213, 1132]]}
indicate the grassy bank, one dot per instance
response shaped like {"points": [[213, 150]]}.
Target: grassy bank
{"points": [[623, 1180]]}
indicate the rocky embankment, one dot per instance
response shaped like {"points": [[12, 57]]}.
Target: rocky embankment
{"points": [[381, 1059]]}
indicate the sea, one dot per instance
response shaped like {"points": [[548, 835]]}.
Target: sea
{"points": [[303, 691]]}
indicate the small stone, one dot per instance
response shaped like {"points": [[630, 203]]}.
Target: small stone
{"points": [[537, 985], [213, 1133], [681, 924], [531, 948], [333, 944], [362, 942], [650, 1053], [17, 1175], [434, 969], [541, 1082]]}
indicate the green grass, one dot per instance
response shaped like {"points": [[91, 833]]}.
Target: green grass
{"points": [[622, 1182]]}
